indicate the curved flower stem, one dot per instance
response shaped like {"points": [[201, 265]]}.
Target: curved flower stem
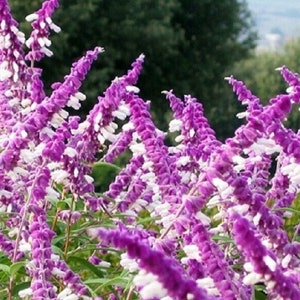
{"points": [[10, 287], [55, 220], [296, 232], [57, 211], [130, 293], [68, 228]]}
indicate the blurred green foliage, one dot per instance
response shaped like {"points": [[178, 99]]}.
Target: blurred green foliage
{"points": [[103, 174]]}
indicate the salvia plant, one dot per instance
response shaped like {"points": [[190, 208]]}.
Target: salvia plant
{"points": [[197, 219]]}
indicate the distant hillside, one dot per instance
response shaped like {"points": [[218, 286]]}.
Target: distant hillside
{"points": [[281, 17]]}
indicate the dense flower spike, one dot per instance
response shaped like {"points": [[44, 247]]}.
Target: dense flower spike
{"points": [[41, 24], [154, 262], [11, 51], [198, 219], [216, 265], [263, 262]]}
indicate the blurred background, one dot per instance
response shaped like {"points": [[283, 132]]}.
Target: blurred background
{"points": [[190, 46], [277, 22]]}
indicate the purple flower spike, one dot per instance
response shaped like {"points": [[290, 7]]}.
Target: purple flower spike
{"points": [[69, 216], [61, 94], [291, 78], [41, 265], [263, 262], [168, 272], [70, 279], [119, 146], [215, 264], [244, 95], [37, 93], [11, 42], [41, 24], [156, 150], [133, 74], [102, 114], [281, 106], [8, 246], [199, 137], [176, 104]]}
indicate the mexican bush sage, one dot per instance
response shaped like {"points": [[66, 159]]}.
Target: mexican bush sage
{"points": [[198, 219]]}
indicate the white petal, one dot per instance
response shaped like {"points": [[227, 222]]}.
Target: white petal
{"points": [[252, 278], [270, 262], [31, 17], [25, 293], [132, 88], [71, 152], [285, 261]]}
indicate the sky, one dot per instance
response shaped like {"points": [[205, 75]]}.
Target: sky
{"points": [[276, 16]]}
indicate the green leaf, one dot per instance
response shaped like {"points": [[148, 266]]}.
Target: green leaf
{"points": [[119, 281], [289, 209], [14, 268], [5, 268], [102, 164], [95, 281], [58, 239], [57, 250], [259, 292], [59, 204], [103, 174], [222, 238], [146, 220], [20, 287], [85, 264]]}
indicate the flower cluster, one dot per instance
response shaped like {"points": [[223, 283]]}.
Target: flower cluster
{"points": [[198, 219]]}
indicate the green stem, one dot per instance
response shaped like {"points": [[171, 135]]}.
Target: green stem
{"points": [[68, 233]]}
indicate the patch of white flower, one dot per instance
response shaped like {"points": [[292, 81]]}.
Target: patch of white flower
{"points": [[128, 263], [175, 125], [151, 287], [25, 293], [265, 146], [67, 294], [208, 284]]}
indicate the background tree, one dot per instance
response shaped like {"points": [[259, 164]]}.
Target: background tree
{"points": [[189, 45]]}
